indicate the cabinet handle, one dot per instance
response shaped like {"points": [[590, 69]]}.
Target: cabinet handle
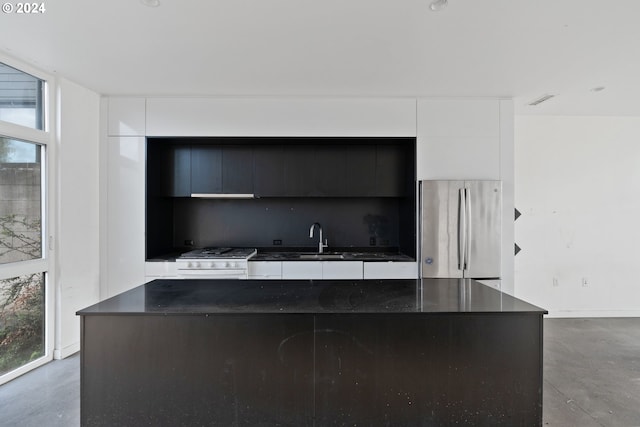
{"points": [[468, 221], [462, 228]]}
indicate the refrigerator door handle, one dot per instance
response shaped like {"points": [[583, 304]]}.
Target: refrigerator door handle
{"points": [[462, 227], [468, 223]]}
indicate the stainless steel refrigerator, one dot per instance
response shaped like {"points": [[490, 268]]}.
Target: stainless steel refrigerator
{"points": [[461, 223]]}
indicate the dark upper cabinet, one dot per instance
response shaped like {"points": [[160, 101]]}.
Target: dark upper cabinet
{"points": [[360, 172], [269, 171], [299, 171], [357, 171], [206, 169], [221, 169], [390, 171], [179, 174], [237, 169], [286, 171], [304, 168], [330, 171]]}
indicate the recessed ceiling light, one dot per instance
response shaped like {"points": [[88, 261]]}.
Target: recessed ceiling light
{"points": [[541, 99], [151, 3], [438, 5]]}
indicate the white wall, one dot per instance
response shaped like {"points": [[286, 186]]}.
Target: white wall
{"points": [[577, 184], [76, 243]]}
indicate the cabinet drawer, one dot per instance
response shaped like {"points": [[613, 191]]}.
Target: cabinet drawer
{"points": [[390, 270], [338, 270], [302, 270], [160, 269], [265, 270]]}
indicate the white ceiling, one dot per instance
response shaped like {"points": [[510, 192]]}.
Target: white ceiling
{"points": [[474, 48]]}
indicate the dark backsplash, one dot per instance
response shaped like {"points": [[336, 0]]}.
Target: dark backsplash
{"points": [[357, 222]]}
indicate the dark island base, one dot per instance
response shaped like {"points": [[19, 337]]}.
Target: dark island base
{"points": [[359, 369]]}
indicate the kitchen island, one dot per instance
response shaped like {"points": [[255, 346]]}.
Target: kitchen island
{"points": [[430, 352]]}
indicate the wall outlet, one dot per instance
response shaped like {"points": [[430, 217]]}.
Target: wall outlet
{"points": [[585, 283], [277, 242], [188, 242], [555, 282], [372, 241]]}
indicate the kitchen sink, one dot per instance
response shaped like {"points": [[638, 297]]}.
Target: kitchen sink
{"points": [[321, 256]]}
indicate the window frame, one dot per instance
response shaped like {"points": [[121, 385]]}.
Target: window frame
{"points": [[46, 138], [41, 96]]}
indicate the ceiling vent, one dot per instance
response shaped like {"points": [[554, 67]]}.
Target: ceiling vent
{"points": [[541, 99]]}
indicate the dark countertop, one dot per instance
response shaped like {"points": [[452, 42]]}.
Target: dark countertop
{"points": [[352, 255], [294, 254], [203, 296]]}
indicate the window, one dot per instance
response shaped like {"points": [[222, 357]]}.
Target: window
{"points": [[22, 325], [20, 201], [21, 98], [25, 299]]}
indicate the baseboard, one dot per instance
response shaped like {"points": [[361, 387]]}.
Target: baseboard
{"points": [[592, 313], [66, 351]]}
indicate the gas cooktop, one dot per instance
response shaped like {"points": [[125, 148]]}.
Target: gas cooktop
{"points": [[215, 253]]}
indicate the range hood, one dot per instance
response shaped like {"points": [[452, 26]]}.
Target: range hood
{"points": [[223, 196]]}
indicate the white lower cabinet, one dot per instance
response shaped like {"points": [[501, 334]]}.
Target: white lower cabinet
{"points": [[265, 270], [302, 270], [306, 270], [318, 270], [341, 270], [390, 270], [160, 269]]}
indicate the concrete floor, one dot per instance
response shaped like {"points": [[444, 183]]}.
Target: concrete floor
{"points": [[47, 396], [591, 378], [592, 372]]}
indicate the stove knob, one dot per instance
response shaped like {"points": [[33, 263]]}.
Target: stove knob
{"points": [[196, 264], [227, 264], [188, 265], [212, 264]]}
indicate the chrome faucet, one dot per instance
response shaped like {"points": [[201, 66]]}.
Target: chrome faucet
{"points": [[321, 244]]}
